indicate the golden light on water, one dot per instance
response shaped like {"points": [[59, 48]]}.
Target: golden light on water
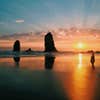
{"points": [[79, 60]]}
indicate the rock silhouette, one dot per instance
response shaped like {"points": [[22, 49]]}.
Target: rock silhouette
{"points": [[29, 50], [49, 43], [16, 46]]}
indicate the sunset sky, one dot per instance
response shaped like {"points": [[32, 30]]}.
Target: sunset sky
{"points": [[23, 16]]}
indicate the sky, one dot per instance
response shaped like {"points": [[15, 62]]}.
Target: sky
{"points": [[22, 16], [39, 15]]}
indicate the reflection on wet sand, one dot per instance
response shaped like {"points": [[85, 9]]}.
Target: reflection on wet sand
{"points": [[49, 61], [93, 66], [81, 83], [30, 85], [16, 60], [72, 75]]}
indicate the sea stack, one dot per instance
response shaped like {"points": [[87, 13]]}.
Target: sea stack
{"points": [[16, 47], [49, 43]]}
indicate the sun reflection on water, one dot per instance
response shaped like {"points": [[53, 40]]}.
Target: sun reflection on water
{"points": [[80, 60]]}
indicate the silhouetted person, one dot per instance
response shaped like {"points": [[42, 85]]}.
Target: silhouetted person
{"points": [[92, 59], [16, 60], [16, 46], [49, 43], [49, 61]]}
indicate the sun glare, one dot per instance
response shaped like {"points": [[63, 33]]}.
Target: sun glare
{"points": [[80, 45]]}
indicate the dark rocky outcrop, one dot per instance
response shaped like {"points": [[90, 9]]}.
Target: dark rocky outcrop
{"points": [[29, 50], [16, 46], [49, 43]]}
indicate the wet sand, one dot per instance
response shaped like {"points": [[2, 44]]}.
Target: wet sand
{"points": [[30, 85], [61, 77], [49, 85]]}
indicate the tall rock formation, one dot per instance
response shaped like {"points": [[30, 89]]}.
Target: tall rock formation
{"points": [[49, 43], [16, 46]]}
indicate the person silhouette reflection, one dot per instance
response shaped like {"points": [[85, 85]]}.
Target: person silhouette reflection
{"points": [[92, 59], [49, 61], [16, 60]]}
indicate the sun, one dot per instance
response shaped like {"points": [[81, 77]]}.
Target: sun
{"points": [[80, 45]]}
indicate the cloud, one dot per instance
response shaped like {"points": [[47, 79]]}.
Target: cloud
{"points": [[19, 21]]}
